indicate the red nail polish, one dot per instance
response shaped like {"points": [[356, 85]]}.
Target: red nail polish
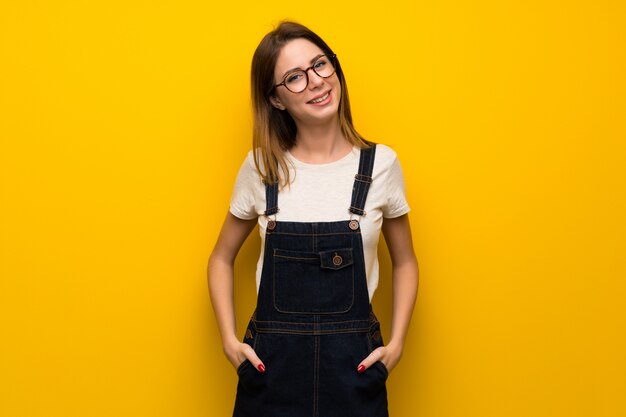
{"points": [[360, 369], [261, 368]]}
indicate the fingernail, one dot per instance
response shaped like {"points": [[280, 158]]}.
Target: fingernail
{"points": [[261, 367], [360, 369]]}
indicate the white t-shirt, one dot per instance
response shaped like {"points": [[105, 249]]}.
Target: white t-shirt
{"points": [[322, 193]]}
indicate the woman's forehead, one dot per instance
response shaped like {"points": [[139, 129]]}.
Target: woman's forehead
{"points": [[297, 53]]}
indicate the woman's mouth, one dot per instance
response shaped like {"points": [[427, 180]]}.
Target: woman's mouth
{"points": [[320, 101]]}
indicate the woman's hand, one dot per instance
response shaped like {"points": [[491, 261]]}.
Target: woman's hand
{"points": [[238, 352], [389, 355]]}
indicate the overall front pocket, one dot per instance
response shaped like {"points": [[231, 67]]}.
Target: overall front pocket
{"points": [[313, 282]]}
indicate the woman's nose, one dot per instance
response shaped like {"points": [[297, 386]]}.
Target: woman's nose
{"points": [[314, 79]]}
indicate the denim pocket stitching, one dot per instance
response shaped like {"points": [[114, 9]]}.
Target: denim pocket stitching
{"points": [[281, 256], [327, 256]]}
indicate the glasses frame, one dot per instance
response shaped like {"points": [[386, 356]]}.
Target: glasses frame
{"points": [[331, 58]]}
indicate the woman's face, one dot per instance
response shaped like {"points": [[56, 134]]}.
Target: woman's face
{"points": [[300, 54]]}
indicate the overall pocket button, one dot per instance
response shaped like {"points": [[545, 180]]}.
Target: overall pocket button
{"points": [[337, 260]]}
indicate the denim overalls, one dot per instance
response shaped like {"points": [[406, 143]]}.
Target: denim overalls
{"points": [[313, 323]]}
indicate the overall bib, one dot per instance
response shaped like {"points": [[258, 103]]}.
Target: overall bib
{"points": [[313, 323]]}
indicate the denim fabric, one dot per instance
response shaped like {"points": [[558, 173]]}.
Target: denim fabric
{"points": [[313, 324]]}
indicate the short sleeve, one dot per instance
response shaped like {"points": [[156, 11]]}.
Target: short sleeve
{"points": [[242, 201], [396, 203]]}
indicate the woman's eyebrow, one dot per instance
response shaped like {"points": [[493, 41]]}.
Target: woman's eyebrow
{"points": [[298, 68]]}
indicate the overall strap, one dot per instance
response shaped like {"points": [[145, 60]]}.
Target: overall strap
{"points": [[362, 180], [271, 198]]}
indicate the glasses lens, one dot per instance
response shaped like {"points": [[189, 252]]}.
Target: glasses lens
{"points": [[296, 81], [324, 67]]}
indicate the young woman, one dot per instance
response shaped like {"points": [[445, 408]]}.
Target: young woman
{"points": [[321, 194]]}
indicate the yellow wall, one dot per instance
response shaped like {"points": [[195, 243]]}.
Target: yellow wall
{"points": [[123, 124]]}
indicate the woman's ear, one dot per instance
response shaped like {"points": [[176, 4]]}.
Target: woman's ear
{"points": [[276, 103]]}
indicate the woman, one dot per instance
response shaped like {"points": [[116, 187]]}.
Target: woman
{"points": [[313, 345]]}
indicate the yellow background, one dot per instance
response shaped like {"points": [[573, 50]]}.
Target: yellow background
{"points": [[123, 124]]}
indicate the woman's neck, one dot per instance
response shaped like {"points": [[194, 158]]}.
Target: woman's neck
{"points": [[320, 145]]}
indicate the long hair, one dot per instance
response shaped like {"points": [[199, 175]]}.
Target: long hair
{"points": [[274, 131]]}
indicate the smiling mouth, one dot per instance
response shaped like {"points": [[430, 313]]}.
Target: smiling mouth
{"points": [[320, 99]]}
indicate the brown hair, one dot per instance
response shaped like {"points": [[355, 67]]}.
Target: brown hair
{"points": [[274, 131]]}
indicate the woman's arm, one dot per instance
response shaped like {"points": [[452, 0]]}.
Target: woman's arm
{"points": [[405, 278], [220, 276]]}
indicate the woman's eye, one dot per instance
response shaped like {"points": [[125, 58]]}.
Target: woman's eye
{"points": [[320, 63], [293, 78]]}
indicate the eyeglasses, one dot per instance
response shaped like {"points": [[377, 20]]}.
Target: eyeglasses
{"points": [[298, 80]]}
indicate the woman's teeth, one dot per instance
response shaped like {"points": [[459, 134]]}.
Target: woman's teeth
{"points": [[319, 100]]}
